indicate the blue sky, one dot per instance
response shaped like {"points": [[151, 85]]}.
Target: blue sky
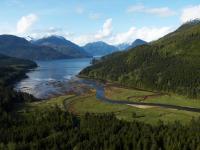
{"points": [[82, 21]]}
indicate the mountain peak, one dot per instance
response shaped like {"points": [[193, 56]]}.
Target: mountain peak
{"points": [[52, 40], [56, 37], [189, 24], [193, 22], [62, 45], [137, 42]]}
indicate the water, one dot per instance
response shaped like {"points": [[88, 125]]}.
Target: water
{"points": [[52, 78]]}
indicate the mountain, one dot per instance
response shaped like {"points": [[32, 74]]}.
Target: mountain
{"points": [[137, 42], [14, 46], [123, 46], [126, 46], [99, 48], [63, 46], [170, 64]]}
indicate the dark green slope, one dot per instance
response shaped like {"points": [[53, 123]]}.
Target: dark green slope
{"points": [[171, 63], [12, 69]]}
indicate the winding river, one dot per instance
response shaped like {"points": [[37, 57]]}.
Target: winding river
{"points": [[100, 95]]}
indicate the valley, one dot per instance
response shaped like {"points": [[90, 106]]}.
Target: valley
{"points": [[99, 75], [147, 106], [154, 81], [89, 102]]}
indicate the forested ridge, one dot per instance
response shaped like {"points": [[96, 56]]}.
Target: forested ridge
{"points": [[170, 64], [12, 70]]}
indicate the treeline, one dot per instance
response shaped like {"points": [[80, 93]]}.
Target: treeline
{"points": [[9, 97], [11, 70], [56, 129]]}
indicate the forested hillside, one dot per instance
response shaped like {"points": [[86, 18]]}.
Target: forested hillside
{"points": [[11, 70], [57, 129], [170, 64], [65, 131]]}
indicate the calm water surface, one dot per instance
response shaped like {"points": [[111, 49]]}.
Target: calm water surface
{"points": [[52, 77]]}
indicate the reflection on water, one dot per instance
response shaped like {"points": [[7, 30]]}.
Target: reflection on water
{"points": [[52, 77]]}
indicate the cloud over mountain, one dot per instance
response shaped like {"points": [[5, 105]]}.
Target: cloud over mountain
{"points": [[190, 13], [26, 22], [106, 30]]}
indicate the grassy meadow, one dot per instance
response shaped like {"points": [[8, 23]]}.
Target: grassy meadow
{"points": [[80, 105]]}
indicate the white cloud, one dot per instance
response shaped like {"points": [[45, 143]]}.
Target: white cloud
{"points": [[190, 13], [39, 33], [25, 23], [101, 35], [84, 39], [106, 30], [159, 11], [105, 34], [146, 33]]}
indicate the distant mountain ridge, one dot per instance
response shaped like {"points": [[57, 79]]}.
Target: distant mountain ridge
{"points": [[100, 48], [63, 46], [126, 46], [14, 46]]}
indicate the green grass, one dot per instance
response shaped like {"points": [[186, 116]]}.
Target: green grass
{"points": [[80, 105], [45, 104], [123, 94], [176, 100], [84, 104]]}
